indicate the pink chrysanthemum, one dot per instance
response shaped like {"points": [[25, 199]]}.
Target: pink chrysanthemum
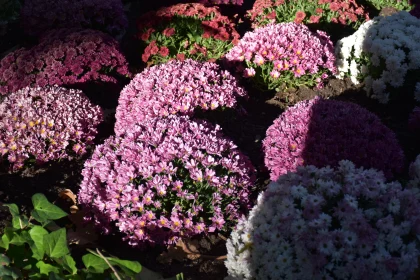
{"points": [[175, 88], [64, 57], [167, 178], [300, 55], [46, 124]]}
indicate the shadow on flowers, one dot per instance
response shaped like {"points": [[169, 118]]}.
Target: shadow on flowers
{"points": [[329, 131]]}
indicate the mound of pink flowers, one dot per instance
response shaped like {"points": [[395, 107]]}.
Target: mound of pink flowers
{"points": [[64, 57], [39, 16], [175, 88], [322, 132], [45, 124], [167, 178], [284, 55]]}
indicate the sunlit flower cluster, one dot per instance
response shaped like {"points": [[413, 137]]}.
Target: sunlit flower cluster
{"points": [[322, 132], [343, 223], [185, 31], [39, 16], [45, 124], [321, 12], [167, 178], [382, 53], [64, 57], [175, 88], [284, 55]]}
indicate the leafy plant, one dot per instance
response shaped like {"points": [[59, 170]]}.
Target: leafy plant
{"points": [[402, 5], [321, 12], [185, 31], [29, 250]]}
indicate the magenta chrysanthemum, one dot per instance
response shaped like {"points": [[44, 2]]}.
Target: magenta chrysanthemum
{"points": [[39, 16], [46, 124], [300, 56], [175, 88], [323, 132], [167, 178], [343, 223], [64, 57]]}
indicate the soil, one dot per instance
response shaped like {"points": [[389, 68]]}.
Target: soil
{"points": [[245, 125]]}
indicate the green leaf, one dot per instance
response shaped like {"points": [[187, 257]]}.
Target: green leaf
{"points": [[44, 210], [55, 244], [4, 260], [129, 267], [20, 222], [20, 239], [14, 210], [3, 244], [94, 263], [46, 268], [37, 234], [68, 263], [6, 237], [54, 276], [7, 273]]}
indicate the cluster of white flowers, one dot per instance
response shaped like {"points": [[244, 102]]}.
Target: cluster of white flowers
{"points": [[381, 53], [321, 223]]}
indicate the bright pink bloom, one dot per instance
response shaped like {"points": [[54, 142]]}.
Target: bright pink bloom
{"points": [[131, 166]]}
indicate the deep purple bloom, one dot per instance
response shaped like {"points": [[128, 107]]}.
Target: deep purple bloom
{"points": [[322, 132]]}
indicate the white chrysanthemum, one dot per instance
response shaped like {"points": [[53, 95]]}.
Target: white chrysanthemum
{"points": [[318, 234], [346, 46], [391, 46]]}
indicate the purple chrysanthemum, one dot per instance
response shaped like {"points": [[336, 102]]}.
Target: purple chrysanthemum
{"points": [[323, 132]]}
